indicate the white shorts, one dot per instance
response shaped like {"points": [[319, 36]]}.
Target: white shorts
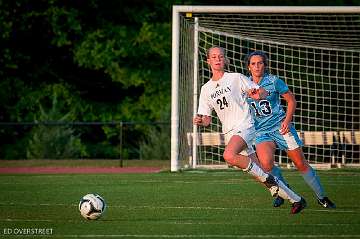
{"points": [[248, 135]]}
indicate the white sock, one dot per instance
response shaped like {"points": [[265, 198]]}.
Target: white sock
{"points": [[282, 190], [286, 192], [256, 171]]}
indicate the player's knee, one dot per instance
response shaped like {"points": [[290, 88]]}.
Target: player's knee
{"points": [[229, 157]]}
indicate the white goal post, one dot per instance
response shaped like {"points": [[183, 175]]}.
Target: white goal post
{"points": [[315, 50]]}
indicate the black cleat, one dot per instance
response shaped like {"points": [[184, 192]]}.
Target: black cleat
{"points": [[326, 203], [272, 185], [298, 206], [270, 181], [278, 201]]}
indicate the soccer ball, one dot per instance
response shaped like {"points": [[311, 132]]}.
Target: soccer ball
{"points": [[92, 206]]}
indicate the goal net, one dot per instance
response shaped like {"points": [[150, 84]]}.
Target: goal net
{"points": [[315, 50]]}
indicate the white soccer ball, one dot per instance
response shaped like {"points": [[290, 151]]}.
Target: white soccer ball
{"points": [[92, 206]]}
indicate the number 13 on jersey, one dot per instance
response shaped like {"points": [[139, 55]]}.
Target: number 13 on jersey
{"points": [[264, 108]]}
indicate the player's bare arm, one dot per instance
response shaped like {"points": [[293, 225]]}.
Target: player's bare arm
{"points": [[291, 107]]}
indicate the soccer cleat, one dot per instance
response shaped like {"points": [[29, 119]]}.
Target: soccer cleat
{"points": [[278, 201], [272, 185], [326, 203], [298, 206]]}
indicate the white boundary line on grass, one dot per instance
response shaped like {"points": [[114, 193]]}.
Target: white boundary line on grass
{"points": [[179, 207], [25, 220], [232, 209], [183, 222]]}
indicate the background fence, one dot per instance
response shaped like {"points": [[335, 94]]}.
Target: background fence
{"points": [[85, 140]]}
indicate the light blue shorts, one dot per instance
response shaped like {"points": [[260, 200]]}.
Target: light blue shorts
{"points": [[288, 141]]}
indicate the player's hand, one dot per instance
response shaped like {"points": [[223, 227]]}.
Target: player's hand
{"points": [[257, 94], [253, 93], [284, 128], [202, 120], [197, 120]]}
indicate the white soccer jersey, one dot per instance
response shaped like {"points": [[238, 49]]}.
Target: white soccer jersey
{"points": [[227, 96]]}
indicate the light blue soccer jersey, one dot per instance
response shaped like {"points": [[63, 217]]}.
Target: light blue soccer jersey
{"points": [[269, 113]]}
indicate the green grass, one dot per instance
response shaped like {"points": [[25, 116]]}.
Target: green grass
{"points": [[191, 204]]}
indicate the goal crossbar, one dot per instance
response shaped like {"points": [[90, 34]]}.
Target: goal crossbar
{"points": [[178, 9]]}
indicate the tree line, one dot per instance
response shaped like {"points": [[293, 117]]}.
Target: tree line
{"points": [[88, 61]]}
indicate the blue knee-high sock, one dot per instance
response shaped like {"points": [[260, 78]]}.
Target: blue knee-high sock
{"points": [[313, 181], [276, 171]]}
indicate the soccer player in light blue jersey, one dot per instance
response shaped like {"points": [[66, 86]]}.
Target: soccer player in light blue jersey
{"points": [[274, 127]]}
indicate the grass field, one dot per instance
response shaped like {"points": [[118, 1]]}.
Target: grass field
{"points": [[190, 204]]}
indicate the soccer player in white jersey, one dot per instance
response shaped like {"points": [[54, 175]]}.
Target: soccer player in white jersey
{"points": [[274, 127], [226, 93]]}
